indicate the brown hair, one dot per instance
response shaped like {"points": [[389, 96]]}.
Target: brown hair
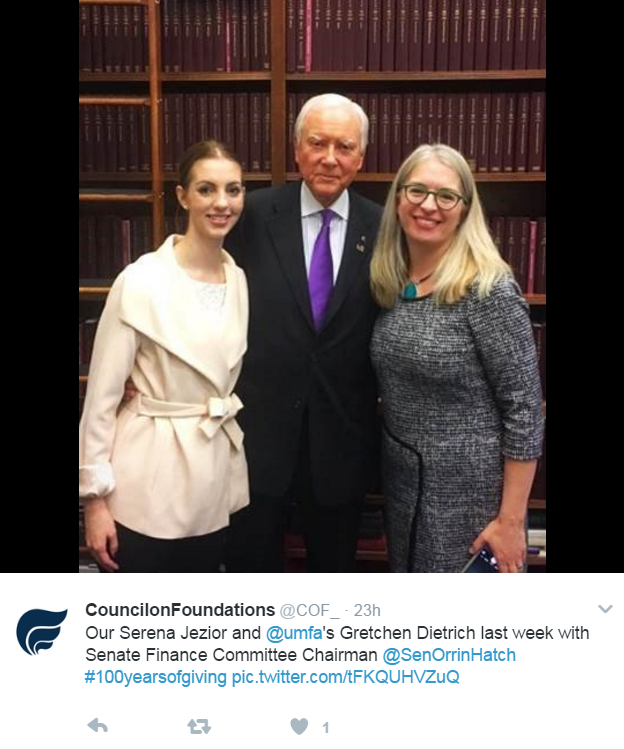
{"points": [[204, 149]]}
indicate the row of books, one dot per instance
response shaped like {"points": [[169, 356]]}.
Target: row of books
{"points": [[107, 243], [415, 35], [522, 243], [196, 35], [496, 132], [116, 138]]}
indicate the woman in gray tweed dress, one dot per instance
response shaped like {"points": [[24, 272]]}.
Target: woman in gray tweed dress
{"points": [[457, 368]]}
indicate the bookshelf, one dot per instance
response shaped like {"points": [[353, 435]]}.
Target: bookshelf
{"points": [[165, 71]]}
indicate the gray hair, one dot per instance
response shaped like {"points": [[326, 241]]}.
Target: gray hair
{"points": [[332, 100]]}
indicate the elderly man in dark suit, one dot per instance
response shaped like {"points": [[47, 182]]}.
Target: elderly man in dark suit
{"points": [[307, 385]]}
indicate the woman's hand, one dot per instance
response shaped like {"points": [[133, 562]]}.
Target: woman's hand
{"points": [[101, 534], [506, 541], [130, 391]]}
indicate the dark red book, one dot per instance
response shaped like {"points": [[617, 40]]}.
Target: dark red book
{"points": [[509, 133], [372, 158], [536, 131], [300, 35], [455, 34], [507, 41], [533, 40], [97, 39], [187, 36], [483, 142], [429, 34], [401, 55], [291, 114], [234, 25], [482, 34], [408, 137], [266, 132], [208, 42], [385, 133], [468, 34], [497, 229], [255, 143], [374, 34], [396, 145], [461, 122], [229, 121], [521, 34], [242, 129], [265, 35], [349, 23], [190, 120], [245, 50], [203, 120], [255, 32], [85, 62], [175, 36], [317, 35], [542, 51], [122, 139], [139, 46], [449, 127], [132, 115], [387, 35], [442, 35], [472, 123], [420, 120], [522, 131], [496, 132], [220, 37], [496, 35], [361, 35], [415, 35]]}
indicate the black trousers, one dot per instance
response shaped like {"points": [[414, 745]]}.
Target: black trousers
{"points": [[255, 541], [139, 553]]}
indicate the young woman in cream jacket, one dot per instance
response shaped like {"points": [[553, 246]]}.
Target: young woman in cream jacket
{"points": [[162, 475]]}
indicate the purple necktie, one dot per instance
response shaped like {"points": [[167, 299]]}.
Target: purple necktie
{"points": [[321, 279]]}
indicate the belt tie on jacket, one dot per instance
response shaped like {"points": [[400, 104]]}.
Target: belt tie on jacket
{"points": [[218, 412]]}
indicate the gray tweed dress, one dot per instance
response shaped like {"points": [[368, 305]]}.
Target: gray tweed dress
{"points": [[460, 391]]}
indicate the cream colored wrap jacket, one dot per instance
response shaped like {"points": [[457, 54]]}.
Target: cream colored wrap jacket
{"points": [[171, 463]]}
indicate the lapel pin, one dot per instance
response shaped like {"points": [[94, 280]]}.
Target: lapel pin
{"points": [[360, 245]]}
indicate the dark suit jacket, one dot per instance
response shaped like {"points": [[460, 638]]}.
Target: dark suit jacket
{"points": [[289, 367]]}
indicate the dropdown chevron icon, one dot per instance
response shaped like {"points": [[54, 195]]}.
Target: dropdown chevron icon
{"points": [[605, 610]]}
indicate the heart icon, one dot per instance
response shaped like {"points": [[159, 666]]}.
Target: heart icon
{"points": [[299, 726]]}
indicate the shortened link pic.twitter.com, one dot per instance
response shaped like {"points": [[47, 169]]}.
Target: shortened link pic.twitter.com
{"points": [[234, 661]]}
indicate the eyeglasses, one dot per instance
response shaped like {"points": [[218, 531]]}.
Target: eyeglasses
{"points": [[445, 198]]}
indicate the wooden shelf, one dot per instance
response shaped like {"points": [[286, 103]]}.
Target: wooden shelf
{"points": [[108, 177], [479, 177], [436, 76], [200, 77]]}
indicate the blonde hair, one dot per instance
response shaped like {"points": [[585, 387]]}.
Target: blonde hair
{"points": [[471, 257]]}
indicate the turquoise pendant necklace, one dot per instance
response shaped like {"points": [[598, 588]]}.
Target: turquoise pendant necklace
{"points": [[410, 290]]}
